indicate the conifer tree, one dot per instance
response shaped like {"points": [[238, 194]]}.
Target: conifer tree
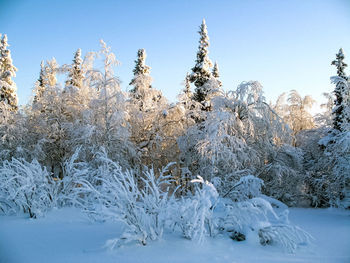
{"points": [[50, 70], [7, 71], [341, 110], [143, 94], [76, 76], [216, 73], [41, 83], [140, 68], [187, 90], [201, 71]]}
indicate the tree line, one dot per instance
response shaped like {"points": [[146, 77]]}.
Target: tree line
{"points": [[223, 136]]}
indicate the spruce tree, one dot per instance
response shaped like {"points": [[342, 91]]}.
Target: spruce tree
{"points": [[140, 67], [341, 110], [216, 73], [143, 94], [7, 71], [185, 97], [201, 71], [187, 89], [76, 76], [41, 83]]}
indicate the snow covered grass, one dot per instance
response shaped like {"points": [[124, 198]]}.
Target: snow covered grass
{"points": [[67, 235]]}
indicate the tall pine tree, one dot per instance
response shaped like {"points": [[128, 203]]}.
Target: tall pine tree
{"points": [[7, 72], [216, 73], [341, 110], [76, 75], [143, 94], [201, 72], [40, 84]]}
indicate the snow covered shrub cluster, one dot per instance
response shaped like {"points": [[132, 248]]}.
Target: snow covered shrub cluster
{"points": [[194, 214], [145, 206], [140, 201], [26, 186], [254, 215], [331, 177]]}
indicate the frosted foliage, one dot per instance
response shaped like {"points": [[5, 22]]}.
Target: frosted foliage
{"points": [[341, 109], [253, 213], [41, 83], [325, 118], [106, 111], [141, 68], [289, 237], [340, 64], [185, 96], [201, 72], [120, 195], [7, 72], [26, 186], [331, 177], [76, 74], [143, 95], [284, 175], [235, 137], [13, 133], [248, 187], [73, 171], [195, 213], [295, 112]]}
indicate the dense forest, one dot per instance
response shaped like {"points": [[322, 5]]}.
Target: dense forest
{"points": [[135, 157]]}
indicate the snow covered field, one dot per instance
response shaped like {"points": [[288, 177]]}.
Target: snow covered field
{"points": [[66, 235]]}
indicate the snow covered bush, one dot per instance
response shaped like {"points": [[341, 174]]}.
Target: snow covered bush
{"points": [[26, 186], [284, 175], [288, 236], [256, 214], [139, 201], [194, 214], [73, 171], [330, 180]]}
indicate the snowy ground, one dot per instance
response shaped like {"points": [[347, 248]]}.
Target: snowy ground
{"points": [[67, 236]]}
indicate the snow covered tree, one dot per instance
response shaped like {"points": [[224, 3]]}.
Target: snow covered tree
{"points": [[186, 95], [26, 186], [325, 119], [76, 74], [216, 74], [201, 71], [41, 83], [295, 111], [234, 138], [340, 64], [341, 110], [143, 93], [52, 69], [187, 90], [107, 114], [7, 72], [299, 118], [13, 133]]}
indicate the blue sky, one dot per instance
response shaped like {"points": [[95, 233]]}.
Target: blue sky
{"points": [[283, 44]]}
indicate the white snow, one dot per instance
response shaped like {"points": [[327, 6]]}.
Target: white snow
{"points": [[66, 235]]}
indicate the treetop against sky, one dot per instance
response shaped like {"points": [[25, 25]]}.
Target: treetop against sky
{"points": [[283, 44]]}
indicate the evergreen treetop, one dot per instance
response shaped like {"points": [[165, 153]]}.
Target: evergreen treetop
{"points": [[7, 71], [140, 63], [341, 109], [41, 83], [76, 75], [340, 64], [201, 72]]}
